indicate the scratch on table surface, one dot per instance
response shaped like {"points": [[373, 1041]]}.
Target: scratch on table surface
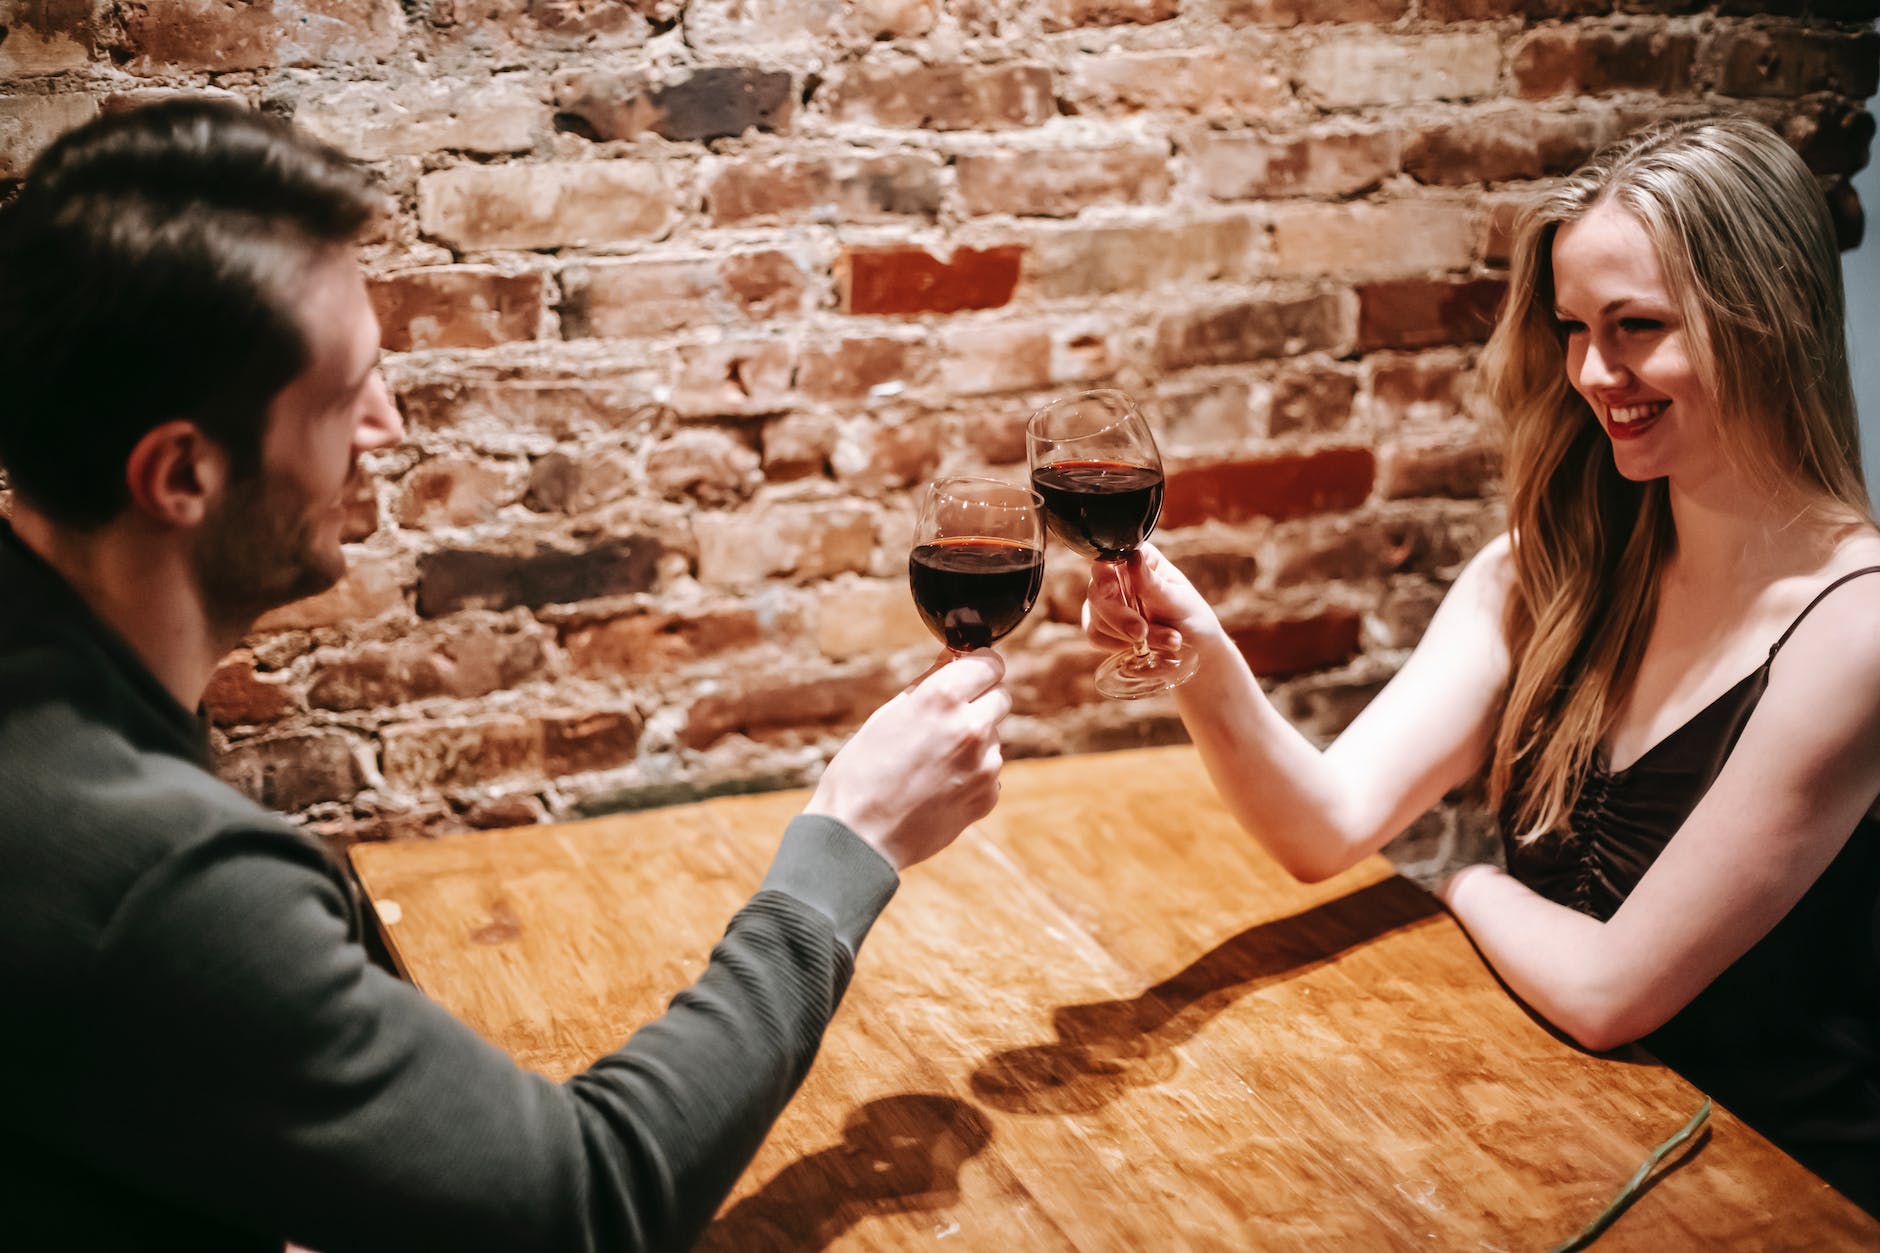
{"points": [[1425, 1195]]}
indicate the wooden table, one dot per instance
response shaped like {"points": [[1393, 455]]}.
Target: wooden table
{"points": [[1102, 1020]]}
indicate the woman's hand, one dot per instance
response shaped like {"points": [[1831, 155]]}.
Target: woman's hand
{"points": [[1171, 607]]}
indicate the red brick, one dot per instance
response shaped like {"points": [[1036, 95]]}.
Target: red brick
{"points": [[798, 30], [734, 378], [465, 658], [1420, 313], [47, 36], [1504, 215], [173, 35], [497, 813], [240, 695], [373, 121], [428, 755], [1413, 470], [1309, 400], [510, 28], [29, 123], [514, 414], [1785, 62], [816, 705], [1346, 551], [1221, 82], [909, 95], [1295, 12], [456, 306], [855, 188], [1102, 260], [1530, 10], [1252, 330], [547, 205], [580, 743], [1493, 146], [639, 644], [1276, 649], [868, 618], [1833, 137], [560, 482], [719, 102], [291, 772], [1061, 15], [455, 579], [373, 587], [981, 360], [1060, 676], [711, 467], [360, 519], [1371, 238], [629, 299], [1355, 70], [1206, 415], [1574, 61], [1059, 182], [1242, 165], [802, 540], [881, 456], [894, 19], [1217, 574], [1420, 390], [1289, 486], [797, 446], [850, 369], [911, 280], [455, 490]]}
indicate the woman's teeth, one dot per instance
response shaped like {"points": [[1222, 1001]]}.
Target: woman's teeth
{"points": [[1629, 414]]}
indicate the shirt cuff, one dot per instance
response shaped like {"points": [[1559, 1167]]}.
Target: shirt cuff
{"points": [[833, 870]]}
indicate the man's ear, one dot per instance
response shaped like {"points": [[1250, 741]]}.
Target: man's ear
{"points": [[175, 474]]}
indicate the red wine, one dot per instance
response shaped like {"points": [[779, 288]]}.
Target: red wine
{"points": [[1103, 509], [971, 590]]}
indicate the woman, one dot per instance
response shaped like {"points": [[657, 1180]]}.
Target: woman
{"points": [[1669, 669]]}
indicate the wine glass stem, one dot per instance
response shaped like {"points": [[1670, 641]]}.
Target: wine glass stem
{"points": [[1127, 587]]}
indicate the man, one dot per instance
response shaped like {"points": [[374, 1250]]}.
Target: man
{"points": [[198, 1054]]}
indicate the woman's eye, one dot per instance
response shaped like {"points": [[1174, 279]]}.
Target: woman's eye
{"points": [[1639, 326], [1569, 327]]}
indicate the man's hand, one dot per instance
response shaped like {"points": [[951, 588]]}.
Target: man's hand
{"points": [[924, 765]]}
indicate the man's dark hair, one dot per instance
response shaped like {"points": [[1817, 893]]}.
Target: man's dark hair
{"points": [[148, 272]]}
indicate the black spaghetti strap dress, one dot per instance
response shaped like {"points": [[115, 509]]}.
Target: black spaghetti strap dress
{"points": [[1787, 1038]]}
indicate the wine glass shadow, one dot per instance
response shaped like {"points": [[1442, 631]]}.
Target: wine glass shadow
{"points": [[900, 1155], [1106, 1047]]}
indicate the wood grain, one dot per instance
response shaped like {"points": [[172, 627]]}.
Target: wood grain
{"points": [[1103, 1020]]}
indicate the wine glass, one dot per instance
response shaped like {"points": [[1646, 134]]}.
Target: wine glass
{"points": [[1095, 466], [978, 560]]}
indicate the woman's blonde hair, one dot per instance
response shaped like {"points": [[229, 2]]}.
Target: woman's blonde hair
{"points": [[1747, 247]]}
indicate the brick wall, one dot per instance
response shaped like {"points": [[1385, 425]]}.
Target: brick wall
{"points": [[686, 299]]}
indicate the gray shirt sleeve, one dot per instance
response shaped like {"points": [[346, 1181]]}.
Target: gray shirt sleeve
{"points": [[269, 1075]]}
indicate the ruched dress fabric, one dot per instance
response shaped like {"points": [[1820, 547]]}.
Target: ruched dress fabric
{"points": [[1788, 1037]]}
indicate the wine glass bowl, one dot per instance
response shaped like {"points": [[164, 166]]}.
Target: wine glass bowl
{"points": [[978, 560], [1098, 474]]}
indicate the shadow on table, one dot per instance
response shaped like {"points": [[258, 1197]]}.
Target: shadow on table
{"points": [[899, 1155], [1105, 1047]]}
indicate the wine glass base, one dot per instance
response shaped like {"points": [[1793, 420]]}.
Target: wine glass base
{"points": [[1131, 676]]}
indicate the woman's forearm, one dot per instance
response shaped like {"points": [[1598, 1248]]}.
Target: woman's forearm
{"points": [[1275, 781], [1556, 959]]}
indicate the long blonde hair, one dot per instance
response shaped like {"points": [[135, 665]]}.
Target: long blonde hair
{"points": [[1747, 246]]}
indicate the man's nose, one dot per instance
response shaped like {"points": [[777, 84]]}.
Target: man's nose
{"points": [[380, 425]]}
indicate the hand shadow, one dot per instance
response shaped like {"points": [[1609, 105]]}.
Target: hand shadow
{"points": [[901, 1154], [1107, 1046]]}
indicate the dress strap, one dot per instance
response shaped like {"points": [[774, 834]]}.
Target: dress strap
{"points": [[1819, 597]]}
